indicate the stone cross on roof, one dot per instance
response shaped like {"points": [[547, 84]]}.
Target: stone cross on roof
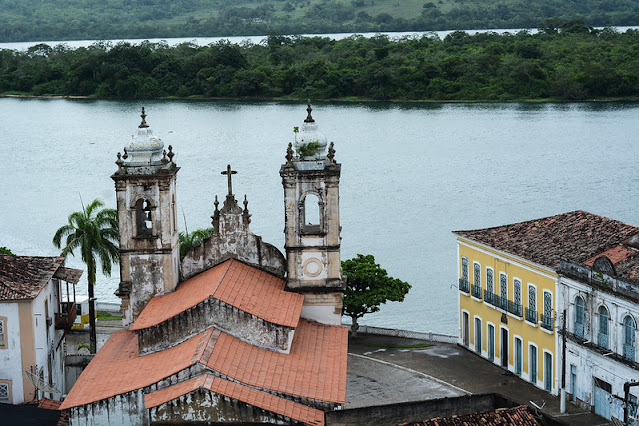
{"points": [[228, 172]]}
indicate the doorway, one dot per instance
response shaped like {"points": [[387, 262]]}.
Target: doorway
{"points": [[465, 327], [504, 347], [491, 342]]}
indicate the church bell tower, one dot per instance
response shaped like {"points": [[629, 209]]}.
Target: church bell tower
{"points": [[147, 218], [312, 227]]}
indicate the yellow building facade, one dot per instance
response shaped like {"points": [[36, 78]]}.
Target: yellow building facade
{"points": [[507, 307]]}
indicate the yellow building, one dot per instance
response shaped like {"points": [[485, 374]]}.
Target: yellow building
{"points": [[508, 288]]}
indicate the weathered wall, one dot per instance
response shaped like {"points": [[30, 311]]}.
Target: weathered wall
{"points": [[213, 312], [10, 354], [126, 409], [206, 406], [417, 411], [74, 366]]}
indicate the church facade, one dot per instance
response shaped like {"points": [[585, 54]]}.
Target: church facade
{"points": [[237, 332]]}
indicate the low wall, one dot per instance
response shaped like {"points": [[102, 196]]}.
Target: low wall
{"points": [[417, 411], [430, 336]]}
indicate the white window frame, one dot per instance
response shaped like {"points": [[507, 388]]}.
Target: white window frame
{"points": [[4, 340], [7, 386]]}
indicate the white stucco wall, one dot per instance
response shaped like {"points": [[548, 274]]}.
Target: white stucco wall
{"points": [[127, 409], [10, 358], [589, 362]]}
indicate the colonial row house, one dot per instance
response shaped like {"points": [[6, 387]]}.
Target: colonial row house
{"points": [[236, 332], [517, 284], [37, 308]]}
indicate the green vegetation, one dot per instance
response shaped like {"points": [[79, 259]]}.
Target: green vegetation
{"points": [[94, 232], [190, 240], [107, 316], [4, 250], [308, 149], [109, 19], [368, 286], [563, 62]]}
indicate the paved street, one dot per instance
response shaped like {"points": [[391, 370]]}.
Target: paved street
{"points": [[464, 369]]}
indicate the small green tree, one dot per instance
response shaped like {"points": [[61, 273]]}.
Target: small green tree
{"points": [[4, 250], [367, 287]]}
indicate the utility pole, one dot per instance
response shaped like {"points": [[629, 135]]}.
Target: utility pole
{"points": [[562, 401]]}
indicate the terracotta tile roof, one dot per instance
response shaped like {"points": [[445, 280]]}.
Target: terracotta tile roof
{"points": [[517, 416], [245, 287], [23, 277], [68, 274], [575, 236], [236, 391], [616, 254], [315, 367], [49, 404], [117, 368]]}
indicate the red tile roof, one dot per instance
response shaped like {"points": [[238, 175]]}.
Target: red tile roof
{"points": [[23, 277], [315, 368], [236, 391], [575, 236], [616, 254], [117, 368], [517, 416], [68, 274], [244, 287]]}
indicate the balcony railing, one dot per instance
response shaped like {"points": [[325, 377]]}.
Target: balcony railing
{"points": [[579, 330], [602, 340], [531, 315], [629, 352], [489, 297], [64, 320], [476, 290], [503, 303], [464, 286], [546, 322]]}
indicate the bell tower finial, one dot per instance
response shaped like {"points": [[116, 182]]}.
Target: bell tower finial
{"points": [[143, 124], [309, 117]]}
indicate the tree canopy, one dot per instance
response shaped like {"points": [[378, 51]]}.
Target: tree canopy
{"points": [[564, 61], [4, 250], [108, 19], [94, 232], [368, 286]]}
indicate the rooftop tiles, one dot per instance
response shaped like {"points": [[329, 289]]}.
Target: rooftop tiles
{"points": [[517, 416], [315, 368], [236, 391], [235, 283], [23, 277], [576, 236], [118, 368]]}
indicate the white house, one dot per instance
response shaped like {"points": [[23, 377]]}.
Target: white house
{"points": [[32, 323], [600, 298]]}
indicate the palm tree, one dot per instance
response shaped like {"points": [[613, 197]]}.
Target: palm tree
{"points": [[94, 231], [190, 240]]}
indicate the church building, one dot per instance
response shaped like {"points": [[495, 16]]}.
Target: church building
{"points": [[237, 332]]}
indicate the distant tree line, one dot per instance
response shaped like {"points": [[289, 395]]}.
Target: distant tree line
{"points": [[117, 19], [570, 61]]}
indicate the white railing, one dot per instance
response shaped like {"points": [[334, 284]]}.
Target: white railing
{"points": [[429, 336]]}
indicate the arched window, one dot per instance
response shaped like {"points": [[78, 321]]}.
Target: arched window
{"points": [[579, 317], [311, 214], [603, 327], [629, 338], [144, 223]]}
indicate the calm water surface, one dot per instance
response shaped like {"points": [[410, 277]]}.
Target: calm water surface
{"points": [[410, 174]]}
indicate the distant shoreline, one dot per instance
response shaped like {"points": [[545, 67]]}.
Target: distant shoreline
{"points": [[335, 100]]}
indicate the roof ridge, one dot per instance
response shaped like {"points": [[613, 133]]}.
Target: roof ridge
{"points": [[203, 353], [228, 267]]}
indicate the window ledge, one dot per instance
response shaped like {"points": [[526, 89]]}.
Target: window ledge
{"points": [[476, 299], [532, 324]]}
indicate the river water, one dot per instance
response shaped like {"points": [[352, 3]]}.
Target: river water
{"points": [[411, 174]]}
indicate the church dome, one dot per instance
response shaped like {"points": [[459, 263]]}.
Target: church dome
{"points": [[144, 147], [309, 134]]}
